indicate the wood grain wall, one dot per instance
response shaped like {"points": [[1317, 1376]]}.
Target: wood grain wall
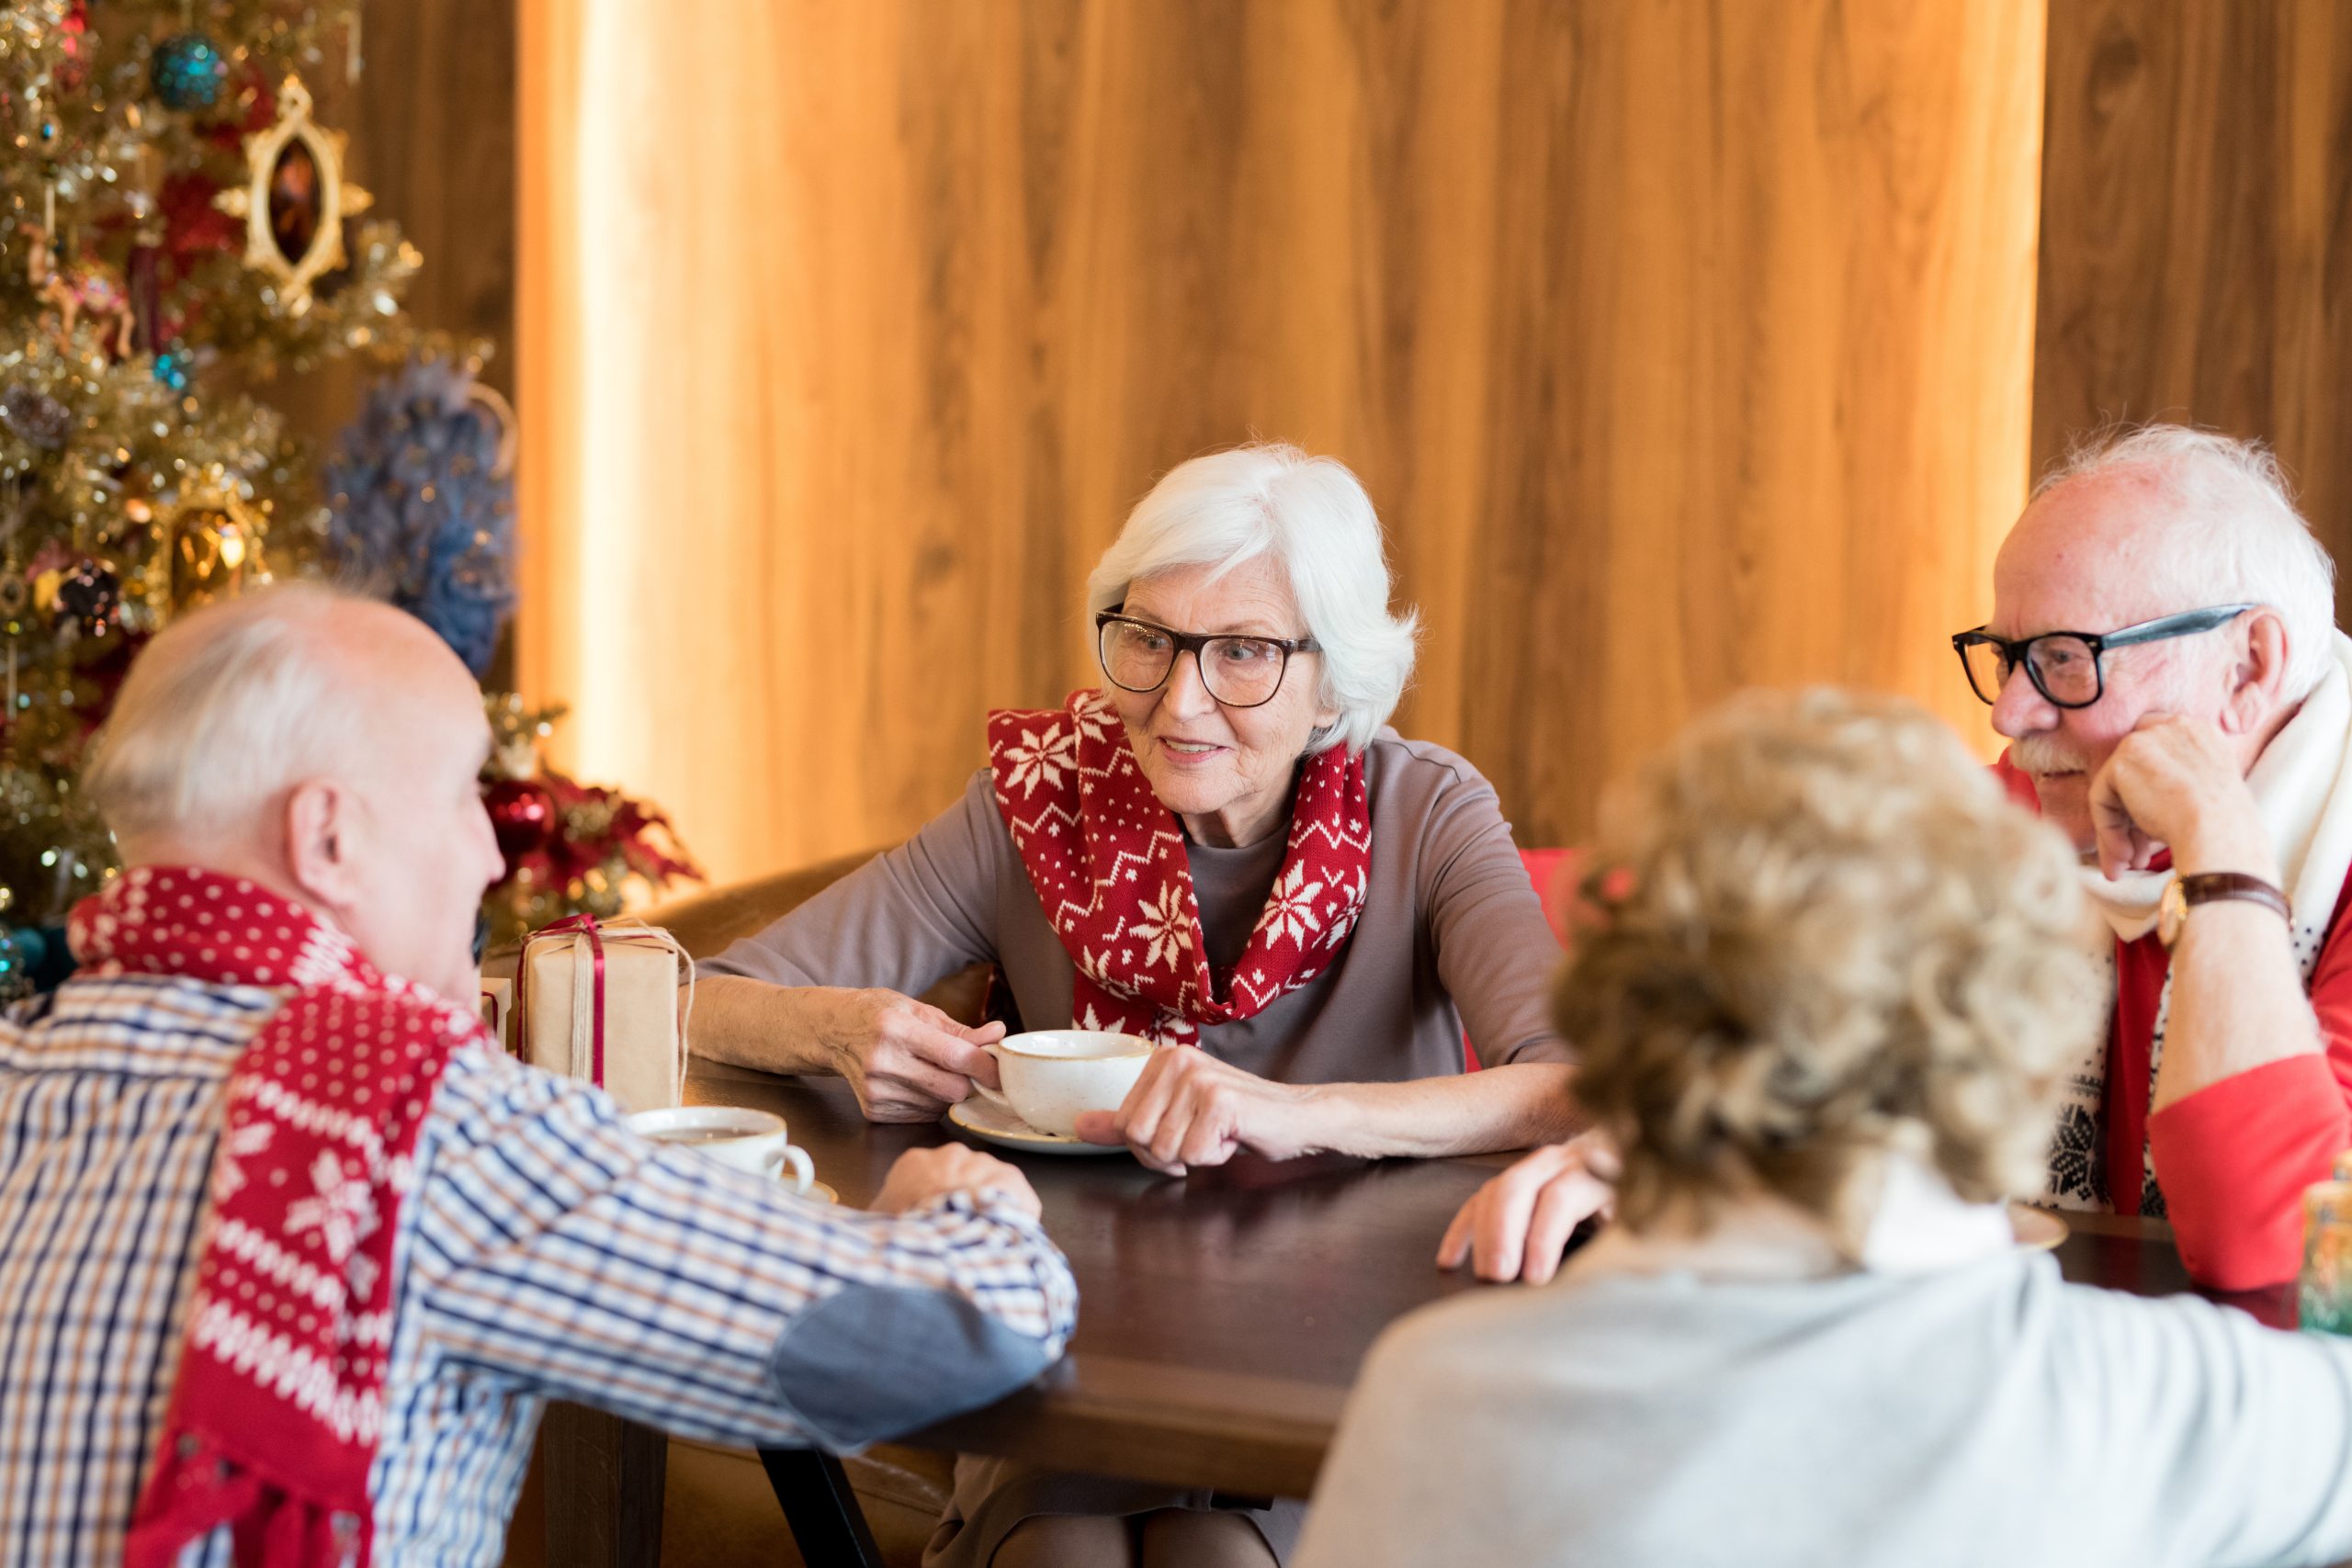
{"points": [[2197, 230], [1681, 345], [433, 122]]}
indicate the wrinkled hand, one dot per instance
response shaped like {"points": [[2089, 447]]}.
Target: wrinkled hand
{"points": [[907, 1060], [1189, 1109], [1518, 1224], [920, 1175], [2173, 783]]}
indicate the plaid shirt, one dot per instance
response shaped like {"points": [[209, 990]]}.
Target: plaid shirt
{"points": [[544, 1252]]}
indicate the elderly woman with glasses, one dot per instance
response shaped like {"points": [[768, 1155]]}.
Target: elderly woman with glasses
{"points": [[1825, 1009], [1224, 850]]}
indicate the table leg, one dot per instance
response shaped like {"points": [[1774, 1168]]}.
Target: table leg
{"points": [[604, 1478], [827, 1524]]}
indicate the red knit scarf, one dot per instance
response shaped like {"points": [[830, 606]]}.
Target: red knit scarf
{"points": [[275, 1415], [1107, 861]]}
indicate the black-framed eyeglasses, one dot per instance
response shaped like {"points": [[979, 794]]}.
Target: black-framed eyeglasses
{"points": [[2066, 668], [1239, 671]]}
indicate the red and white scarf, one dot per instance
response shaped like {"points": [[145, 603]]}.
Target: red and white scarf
{"points": [[278, 1404], [1107, 861]]}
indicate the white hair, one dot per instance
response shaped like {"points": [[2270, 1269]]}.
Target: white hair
{"points": [[1312, 515], [2243, 540], [227, 708]]}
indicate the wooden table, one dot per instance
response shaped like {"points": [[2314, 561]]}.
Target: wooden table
{"points": [[1223, 1315]]}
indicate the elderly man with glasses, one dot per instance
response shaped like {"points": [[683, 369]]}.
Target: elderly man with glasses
{"points": [[2163, 661]]}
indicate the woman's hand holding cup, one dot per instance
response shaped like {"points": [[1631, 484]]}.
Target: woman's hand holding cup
{"points": [[907, 1060], [1189, 1109]]}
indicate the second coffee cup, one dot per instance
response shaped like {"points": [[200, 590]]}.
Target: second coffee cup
{"points": [[1052, 1077]]}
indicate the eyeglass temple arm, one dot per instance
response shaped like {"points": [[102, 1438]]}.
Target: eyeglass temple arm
{"points": [[2183, 624]]}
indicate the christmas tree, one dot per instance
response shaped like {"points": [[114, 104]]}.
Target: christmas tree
{"points": [[176, 229], [173, 219]]}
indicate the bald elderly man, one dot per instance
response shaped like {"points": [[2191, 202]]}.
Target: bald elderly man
{"points": [[292, 1257], [2163, 661]]}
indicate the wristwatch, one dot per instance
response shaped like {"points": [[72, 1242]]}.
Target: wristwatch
{"points": [[2184, 892]]}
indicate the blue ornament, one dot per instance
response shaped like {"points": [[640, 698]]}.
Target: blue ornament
{"points": [[421, 507], [188, 72], [15, 974], [172, 368]]}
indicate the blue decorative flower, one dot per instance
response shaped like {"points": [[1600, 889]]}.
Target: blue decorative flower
{"points": [[422, 510]]}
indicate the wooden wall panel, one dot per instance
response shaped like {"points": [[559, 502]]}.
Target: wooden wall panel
{"points": [[2197, 230], [433, 121], [1682, 345]]}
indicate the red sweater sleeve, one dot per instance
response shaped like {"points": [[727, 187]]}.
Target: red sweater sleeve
{"points": [[2233, 1158]]}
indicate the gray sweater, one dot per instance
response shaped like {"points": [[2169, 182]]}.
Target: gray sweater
{"points": [[1986, 1414], [1450, 922]]}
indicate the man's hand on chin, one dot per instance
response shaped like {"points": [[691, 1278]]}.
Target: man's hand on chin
{"points": [[2174, 783]]}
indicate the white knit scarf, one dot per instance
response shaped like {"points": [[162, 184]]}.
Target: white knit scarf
{"points": [[2302, 785]]}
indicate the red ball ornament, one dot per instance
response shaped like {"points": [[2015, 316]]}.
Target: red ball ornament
{"points": [[521, 813]]}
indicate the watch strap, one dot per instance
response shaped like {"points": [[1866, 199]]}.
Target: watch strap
{"points": [[2212, 886]]}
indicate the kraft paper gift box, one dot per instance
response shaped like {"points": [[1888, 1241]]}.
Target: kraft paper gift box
{"points": [[563, 996]]}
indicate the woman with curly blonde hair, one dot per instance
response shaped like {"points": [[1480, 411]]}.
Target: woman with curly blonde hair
{"points": [[1822, 1000]]}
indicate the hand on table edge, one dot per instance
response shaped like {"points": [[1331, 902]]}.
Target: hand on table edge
{"points": [[1518, 1224]]}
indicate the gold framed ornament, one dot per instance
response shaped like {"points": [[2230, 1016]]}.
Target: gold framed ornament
{"points": [[294, 200], [206, 547]]}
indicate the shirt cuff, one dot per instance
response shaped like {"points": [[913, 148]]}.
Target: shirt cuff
{"points": [[2233, 1159]]}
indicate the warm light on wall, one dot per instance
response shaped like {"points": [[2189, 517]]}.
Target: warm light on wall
{"points": [[847, 341]]}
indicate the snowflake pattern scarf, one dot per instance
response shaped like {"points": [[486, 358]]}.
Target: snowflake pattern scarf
{"points": [[278, 1402], [1107, 861]]}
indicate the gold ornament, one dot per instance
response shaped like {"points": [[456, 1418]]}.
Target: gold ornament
{"points": [[294, 200], [206, 547]]}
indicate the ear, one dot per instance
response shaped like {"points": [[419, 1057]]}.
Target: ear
{"points": [[2257, 676], [321, 823], [1327, 714]]}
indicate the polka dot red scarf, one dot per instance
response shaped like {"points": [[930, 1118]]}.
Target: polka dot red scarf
{"points": [[1108, 863], [278, 1404]]}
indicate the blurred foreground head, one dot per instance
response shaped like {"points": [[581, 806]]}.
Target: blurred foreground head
{"points": [[1822, 932]]}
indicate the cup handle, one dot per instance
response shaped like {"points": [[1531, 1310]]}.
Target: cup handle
{"points": [[804, 1175], [993, 1096]]}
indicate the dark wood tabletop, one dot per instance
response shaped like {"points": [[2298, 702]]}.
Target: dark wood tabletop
{"points": [[1223, 1315], [1222, 1318]]}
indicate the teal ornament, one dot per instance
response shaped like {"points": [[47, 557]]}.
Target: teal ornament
{"points": [[15, 964], [188, 72], [172, 368]]}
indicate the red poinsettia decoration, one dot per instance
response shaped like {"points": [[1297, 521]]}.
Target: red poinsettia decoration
{"points": [[572, 847]]}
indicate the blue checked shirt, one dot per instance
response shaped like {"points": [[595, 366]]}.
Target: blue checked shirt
{"points": [[546, 1252]]}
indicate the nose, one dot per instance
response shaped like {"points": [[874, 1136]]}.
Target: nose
{"points": [[1186, 694], [2021, 709], [491, 859]]}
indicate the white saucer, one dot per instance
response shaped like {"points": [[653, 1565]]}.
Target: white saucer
{"points": [[992, 1123]]}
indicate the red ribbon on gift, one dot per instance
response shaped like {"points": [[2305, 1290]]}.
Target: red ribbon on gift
{"points": [[584, 925]]}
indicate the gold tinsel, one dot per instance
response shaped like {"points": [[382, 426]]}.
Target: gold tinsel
{"points": [[130, 489]]}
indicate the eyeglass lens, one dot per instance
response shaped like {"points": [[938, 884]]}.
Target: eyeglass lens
{"points": [[1240, 670], [2064, 668]]}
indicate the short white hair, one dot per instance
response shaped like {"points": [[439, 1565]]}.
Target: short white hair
{"points": [[1312, 515], [227, 708], [2245, 541]]}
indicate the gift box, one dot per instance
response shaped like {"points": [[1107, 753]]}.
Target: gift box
{"points": [[599, 1002]]}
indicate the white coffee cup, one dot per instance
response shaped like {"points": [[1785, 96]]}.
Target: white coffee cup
{"points": [[732, 1134], [1052, 1077]]}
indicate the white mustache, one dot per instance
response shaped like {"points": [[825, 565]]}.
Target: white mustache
{"points": [[2046, 754]]}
